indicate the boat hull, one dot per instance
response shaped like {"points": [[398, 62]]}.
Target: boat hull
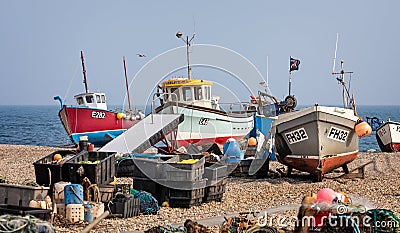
{"points": [[316, 139], [204, 125], [101, 126], [388, 136]]}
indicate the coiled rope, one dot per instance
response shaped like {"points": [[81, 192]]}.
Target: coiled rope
{"points": [[26, 224]]}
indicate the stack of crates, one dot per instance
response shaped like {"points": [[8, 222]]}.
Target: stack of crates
{"points": [[181, 184], [216, 175]]}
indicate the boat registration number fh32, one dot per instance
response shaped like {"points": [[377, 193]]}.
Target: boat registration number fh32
{"points": [[99, 115], [337, 134], [296, 136]]}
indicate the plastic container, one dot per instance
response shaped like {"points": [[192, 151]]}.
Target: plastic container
{"points": [[215, 173], [98, 167], [75, 213], [215, 192], [176, 171], [88, 217], [149, 166], [61, 210], [45, 168], [44, 214], [125, 208], [73, 194], [58, 191], [21, 195], [177, 193], [97, 209], [232, 150]]}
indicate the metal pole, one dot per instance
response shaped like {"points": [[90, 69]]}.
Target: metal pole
{"points": [[187, 55], [343, 86], [126, 84], [290, 81], [84, 72]]}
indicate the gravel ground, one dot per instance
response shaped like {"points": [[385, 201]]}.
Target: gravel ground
{"points": [[379, 189]]}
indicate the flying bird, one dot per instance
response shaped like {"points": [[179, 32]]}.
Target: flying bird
{"points": [[140, 55]]}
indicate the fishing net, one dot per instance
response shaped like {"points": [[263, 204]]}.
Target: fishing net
{"points": [[148, 204]]}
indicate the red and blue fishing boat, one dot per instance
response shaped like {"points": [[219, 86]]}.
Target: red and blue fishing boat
{"points": [[90, 116]]}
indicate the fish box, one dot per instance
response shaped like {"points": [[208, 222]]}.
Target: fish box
{"points": [[183, 194], [46, 168], [215, 192], [21, 195], [143, 166], [184, 168], [98, 167], [44, 214], [126, 207]]}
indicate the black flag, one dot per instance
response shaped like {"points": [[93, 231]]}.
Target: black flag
{"points": [[294, 64]]}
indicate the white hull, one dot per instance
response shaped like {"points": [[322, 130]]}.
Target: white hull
{"points": [[205, 125], [388, 136]]}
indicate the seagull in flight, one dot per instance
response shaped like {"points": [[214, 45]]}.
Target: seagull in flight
{"points": [[141, 55]]}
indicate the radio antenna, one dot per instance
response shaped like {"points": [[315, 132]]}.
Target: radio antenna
{"points": [[334, 59]]}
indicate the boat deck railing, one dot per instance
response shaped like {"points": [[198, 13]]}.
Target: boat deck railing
{"points": [[243, 106]]}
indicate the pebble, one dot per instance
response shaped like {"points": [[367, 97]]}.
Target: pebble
{"points": [[379, 189]]}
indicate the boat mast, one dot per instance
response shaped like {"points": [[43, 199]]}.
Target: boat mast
{"points": [[345, 91], [187, 42], [126, 84], [84, 72]]}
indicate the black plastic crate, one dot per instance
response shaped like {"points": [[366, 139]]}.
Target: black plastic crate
{"points": [[215, 192], [185, 198], [157, 190], [243, 167], [100, 172], [46, 169], [188, 194], [125, 208], [23, 210], [150, 166]]}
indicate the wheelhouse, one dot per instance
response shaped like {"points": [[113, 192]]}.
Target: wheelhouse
{"points": [[91, 100], [188, 91]]}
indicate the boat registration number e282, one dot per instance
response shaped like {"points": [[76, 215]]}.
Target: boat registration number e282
{"points": [[337, 134], [99, 115], [296, 136]]}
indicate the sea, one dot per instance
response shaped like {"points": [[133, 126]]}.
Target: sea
{"points": [[40, 125]]}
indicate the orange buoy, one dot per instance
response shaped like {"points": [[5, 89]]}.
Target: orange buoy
{"points": [[362, 129], [57, 157], [119, 116], [252, 141]]}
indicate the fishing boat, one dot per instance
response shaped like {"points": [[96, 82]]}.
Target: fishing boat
{"points": [[205, 121], [318, 139], [388, 136], [90, 116]]}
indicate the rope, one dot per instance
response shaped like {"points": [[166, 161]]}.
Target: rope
{"points": [[28, 224], [172, 229]]}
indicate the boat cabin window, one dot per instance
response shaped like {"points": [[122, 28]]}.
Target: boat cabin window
{"points": [[103, 98], [198, 93], [89, 99], [98, 99], [173, 97], [207, 92], [79, 100], [187, 93]]}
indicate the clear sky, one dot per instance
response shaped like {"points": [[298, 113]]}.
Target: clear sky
{"points": [[41, 41]]}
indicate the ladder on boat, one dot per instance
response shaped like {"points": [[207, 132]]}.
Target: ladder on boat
{"points": [[144, 134]]}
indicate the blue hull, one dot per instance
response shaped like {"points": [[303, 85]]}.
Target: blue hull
{"points": [[99, 138]]}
